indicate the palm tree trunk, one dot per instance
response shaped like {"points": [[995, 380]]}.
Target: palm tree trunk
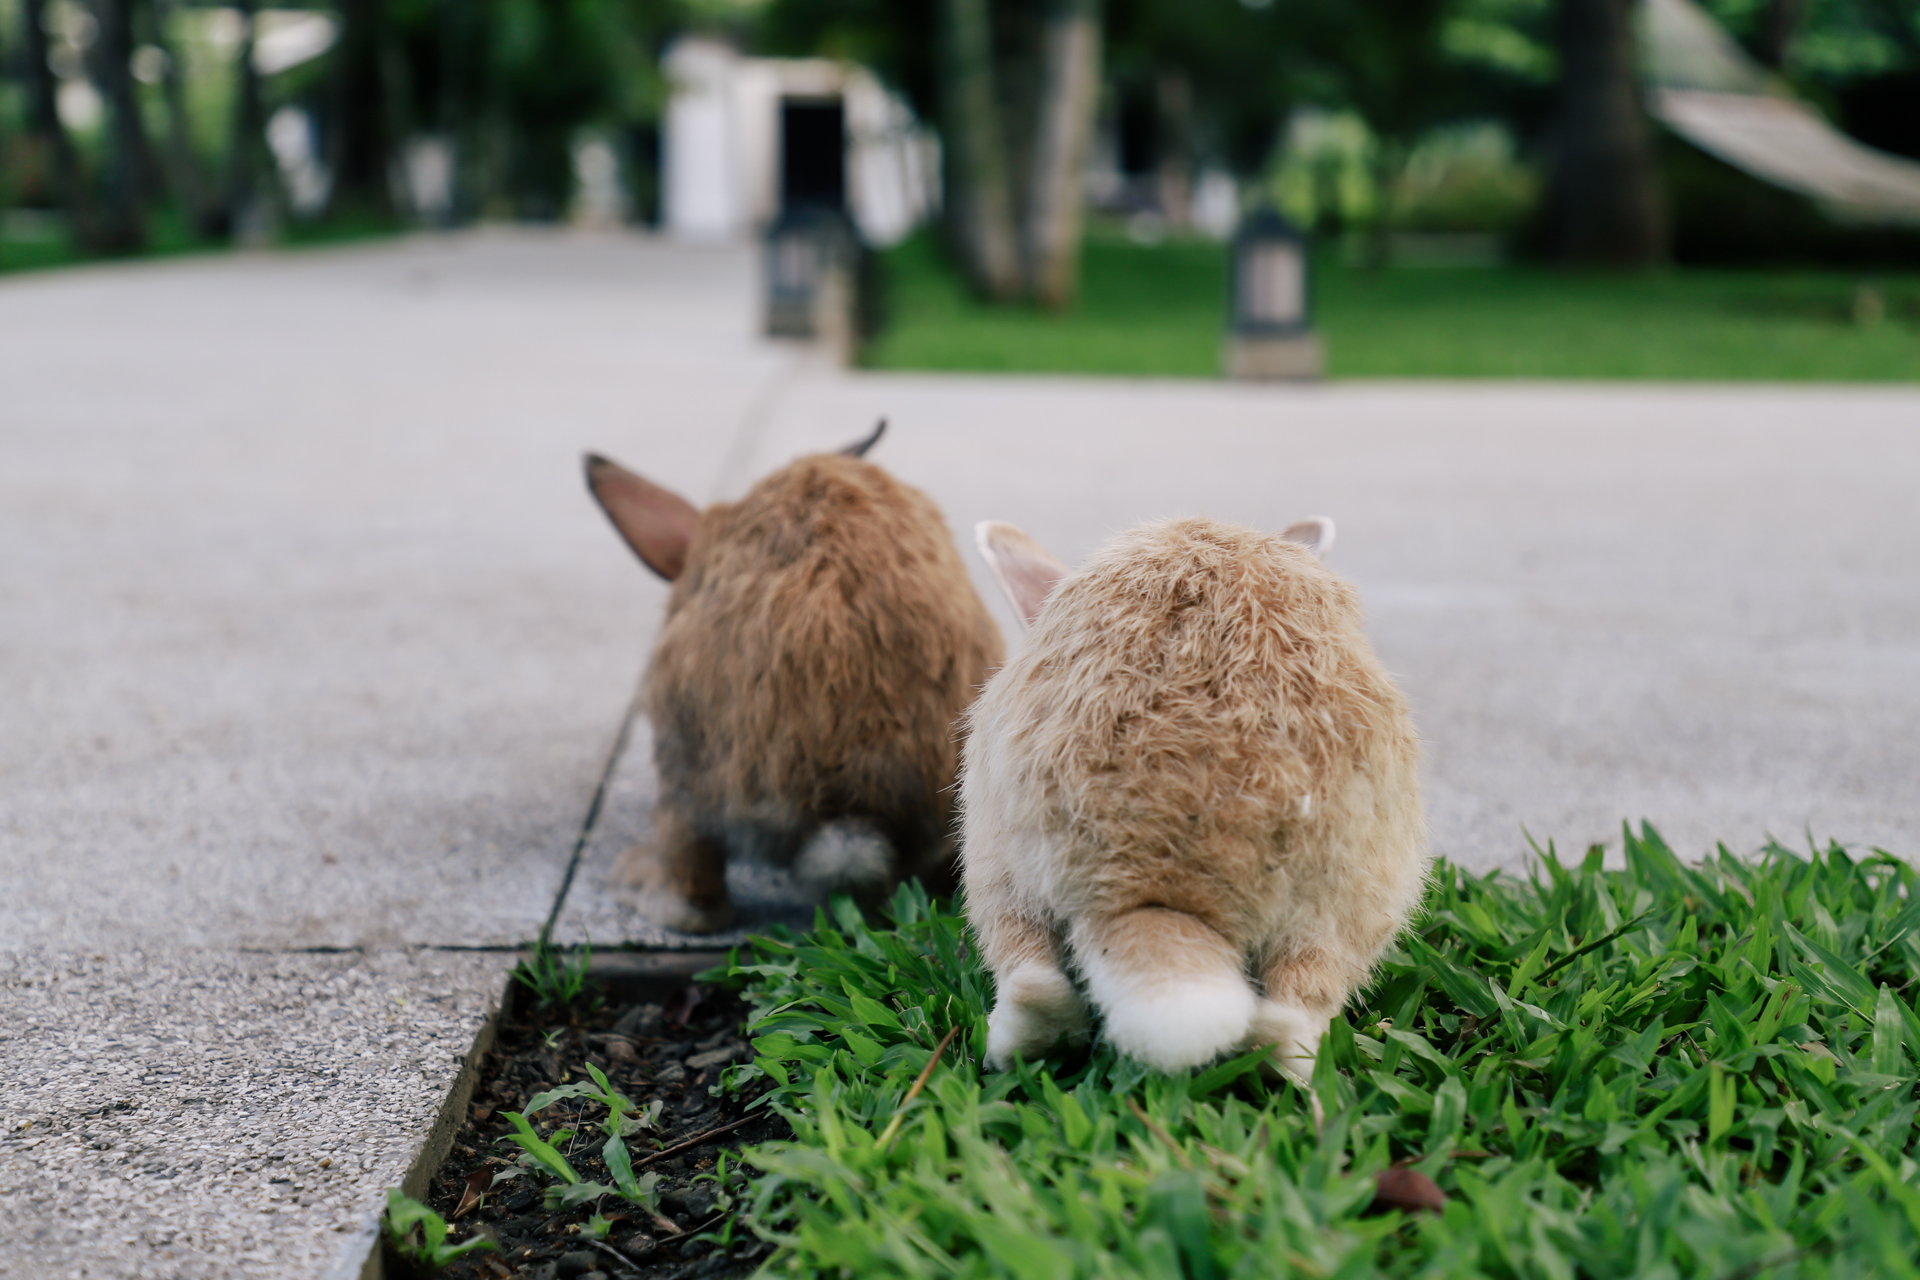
{"points": [[979, 197], [1069, 94], [1606, 205]]}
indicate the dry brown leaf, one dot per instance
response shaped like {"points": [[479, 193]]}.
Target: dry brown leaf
{"points": [[1407, 1190], [477, 1183]]}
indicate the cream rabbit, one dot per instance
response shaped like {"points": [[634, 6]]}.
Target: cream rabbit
{"points": [[1194, 789]]}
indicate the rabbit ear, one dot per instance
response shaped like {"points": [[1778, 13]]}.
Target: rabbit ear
{"points": [[858, 449], [657, 524], [1025, 570], [1315, 533]]}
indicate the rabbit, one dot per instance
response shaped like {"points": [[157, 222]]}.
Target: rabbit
{"points": [[1194, 788], [822, 638]]}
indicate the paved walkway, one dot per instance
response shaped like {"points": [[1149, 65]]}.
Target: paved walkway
{"points": [[312, 650], [1698, 605]]}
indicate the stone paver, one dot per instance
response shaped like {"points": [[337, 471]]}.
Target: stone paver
{"points": [[1698, 605], [219, 1113], [315, 639]]}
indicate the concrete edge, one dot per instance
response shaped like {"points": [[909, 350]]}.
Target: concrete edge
{"points": [[629, 975], [634, 976]]}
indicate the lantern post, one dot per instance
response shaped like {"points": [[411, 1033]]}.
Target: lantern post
{"points": [[1270, 333], [813, 252]]}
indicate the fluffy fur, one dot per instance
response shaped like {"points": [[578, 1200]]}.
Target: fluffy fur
{"points": [[1196, 788], [821, 641]]}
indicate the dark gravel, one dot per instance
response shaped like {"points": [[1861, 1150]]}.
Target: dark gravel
{"points": [[672, 1052]]}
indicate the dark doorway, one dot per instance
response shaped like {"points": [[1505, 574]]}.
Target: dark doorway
{"points": [[813, 154]]}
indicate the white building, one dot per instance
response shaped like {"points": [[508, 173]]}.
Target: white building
{"points": [[721, 144]]}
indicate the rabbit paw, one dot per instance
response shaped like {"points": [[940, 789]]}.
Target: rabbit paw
{"points": [[1037, 1008], [1294, 1034], [667, 891]]}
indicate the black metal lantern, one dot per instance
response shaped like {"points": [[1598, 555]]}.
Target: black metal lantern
{"points": [[812, 249], [809, 259], [1271, 332]]}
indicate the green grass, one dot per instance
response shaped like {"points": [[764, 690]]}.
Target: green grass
{"points": [[1660, 1071], [554, 977], [169, 235], [429, 1252], [52, 244], [1160, 310]]}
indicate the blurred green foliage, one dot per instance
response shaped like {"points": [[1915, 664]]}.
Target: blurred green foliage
{"points": [[508, 86], [513, 85], [1215, 81]]}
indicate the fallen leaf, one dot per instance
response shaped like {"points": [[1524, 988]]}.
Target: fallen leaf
{"points": [[1406, 1190], [477, 1183]]}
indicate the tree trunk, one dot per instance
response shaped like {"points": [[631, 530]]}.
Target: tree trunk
{"points": [[1056, 197], [1388, 163], [126, 174], [360, 146], [183, 164], [43, 121], [979, 199], [456, 26], [1606, 207], [1778, 26], [1173, 102], [246, 187]]}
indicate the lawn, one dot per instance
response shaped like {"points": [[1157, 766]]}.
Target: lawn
{"points": [[1666, 1070], [1159, 310], [37, 242]]}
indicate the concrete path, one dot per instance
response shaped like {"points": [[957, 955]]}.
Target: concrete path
{"points": [[312, 651], [1696, 605]]}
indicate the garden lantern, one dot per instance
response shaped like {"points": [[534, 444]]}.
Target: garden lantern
{"points": [[811, 246], [1271, 333], [810, 256]]}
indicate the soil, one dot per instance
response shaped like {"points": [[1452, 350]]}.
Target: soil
{"points": [[671, 1052]]}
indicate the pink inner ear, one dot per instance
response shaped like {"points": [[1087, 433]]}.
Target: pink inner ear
{"points": [[1025, 570], [657, 523]]}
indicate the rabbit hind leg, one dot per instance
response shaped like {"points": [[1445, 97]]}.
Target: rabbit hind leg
{"points": [[1036, 1007]]}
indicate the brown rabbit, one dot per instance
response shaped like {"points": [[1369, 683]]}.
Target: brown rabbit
{"points": [[822, 639], [1195, 787]]}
